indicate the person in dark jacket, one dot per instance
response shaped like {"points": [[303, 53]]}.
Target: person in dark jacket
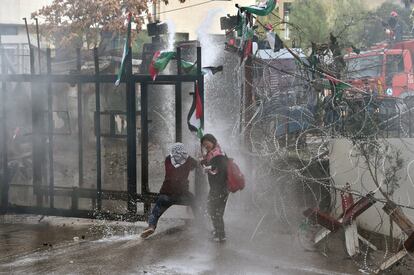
{"points": [[215, 164], [174, 189]]}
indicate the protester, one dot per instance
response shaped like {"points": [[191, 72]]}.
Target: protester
{"points": [[215, 165], [174, 189]]}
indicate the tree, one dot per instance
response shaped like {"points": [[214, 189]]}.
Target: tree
{"points": [[79, 22], [374, 27], [315, 20]]}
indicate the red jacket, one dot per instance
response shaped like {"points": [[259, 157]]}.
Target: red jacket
{"points": [[176, 179]]}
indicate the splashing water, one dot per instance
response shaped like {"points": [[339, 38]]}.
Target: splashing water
{"points": [[210, 51], [171, 34]]}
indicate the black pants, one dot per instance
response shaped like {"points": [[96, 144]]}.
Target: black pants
{"points": [[164, 202], [216, 206]]}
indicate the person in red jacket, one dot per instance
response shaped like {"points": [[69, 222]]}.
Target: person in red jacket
{"points": [[174, 189]]}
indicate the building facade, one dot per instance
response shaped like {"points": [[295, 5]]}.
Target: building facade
{"points": [[13, 35]]}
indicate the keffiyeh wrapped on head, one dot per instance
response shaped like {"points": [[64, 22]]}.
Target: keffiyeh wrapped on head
{"points": [[178, 154]]}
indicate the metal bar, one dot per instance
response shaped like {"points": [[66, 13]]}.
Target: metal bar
{"points": [[409, 123], [387, 125], [38, 45], [200, 80], [37, 118], [98, 132], [80, 121], [27, 32], [178, 102], [131, 136], [109, 78], [144, 144], [200, 84], [50, 129], [75, 197], [5, 179]]}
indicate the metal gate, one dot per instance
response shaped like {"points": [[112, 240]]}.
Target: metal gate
{"points": [[44, 134]]}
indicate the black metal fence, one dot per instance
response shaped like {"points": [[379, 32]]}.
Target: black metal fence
{"points": [[43, 136]]}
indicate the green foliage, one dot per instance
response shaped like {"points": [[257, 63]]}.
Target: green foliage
{"points": [[374, 29], [138, 44], [349, 20], [310, 21], [316, 19]]}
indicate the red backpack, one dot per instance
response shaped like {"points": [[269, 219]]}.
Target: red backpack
{"points": [[235, 178]]}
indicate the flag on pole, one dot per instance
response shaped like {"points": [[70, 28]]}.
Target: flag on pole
{"points": [[196, 113], [126, 51], [159, 61], [262, 9], [274, 40]]}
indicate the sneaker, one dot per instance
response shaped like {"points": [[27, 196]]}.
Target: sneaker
{"points": [[147, 232]]}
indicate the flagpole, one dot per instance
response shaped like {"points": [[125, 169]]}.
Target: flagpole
{"points": [[200, 84], [178, 101], [131, 135]]}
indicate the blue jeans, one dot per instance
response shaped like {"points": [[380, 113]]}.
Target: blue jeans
{"points": [[164, 202]]}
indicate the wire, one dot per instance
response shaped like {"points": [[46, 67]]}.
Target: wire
{"points": [[186, 7]]}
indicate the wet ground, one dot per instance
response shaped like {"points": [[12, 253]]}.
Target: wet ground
{"points": [[50, 245]]}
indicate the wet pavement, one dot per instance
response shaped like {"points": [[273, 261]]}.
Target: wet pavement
{"points": [[31, 245]]}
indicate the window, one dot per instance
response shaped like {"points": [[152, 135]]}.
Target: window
{"points": [[395, 64], [364, 67], [286, 11]]}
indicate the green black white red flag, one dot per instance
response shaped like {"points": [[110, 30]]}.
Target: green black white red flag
{"points": [[127, 46], [262, 9], [159, 61], [196, 114]]}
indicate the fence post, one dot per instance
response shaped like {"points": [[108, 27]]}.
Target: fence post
{"points": [[387, 124], [409, 122], [178, 101], [98, 131], [144, 145], [80, 120], [131, 136], [50, 128], [5, 179], [37, 131]]}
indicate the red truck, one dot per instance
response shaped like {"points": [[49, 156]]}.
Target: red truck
{"points": [[384, 69]]}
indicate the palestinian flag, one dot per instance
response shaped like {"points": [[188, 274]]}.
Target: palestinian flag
{"points": [[261, 9], [127, 46], [159, 61], [274, 40], [191, 68], [336, 86], [196, 114]]}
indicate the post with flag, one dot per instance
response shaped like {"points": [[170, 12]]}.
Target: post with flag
{"points": [[127, 48], [195, 118]]}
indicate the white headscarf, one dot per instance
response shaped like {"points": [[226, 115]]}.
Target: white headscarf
{"points": [[178, 154]]}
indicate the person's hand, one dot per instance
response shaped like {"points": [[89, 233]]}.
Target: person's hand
{"points": [[206, 168]]}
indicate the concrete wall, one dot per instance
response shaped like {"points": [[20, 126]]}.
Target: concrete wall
{"points": [[345, 167]]}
